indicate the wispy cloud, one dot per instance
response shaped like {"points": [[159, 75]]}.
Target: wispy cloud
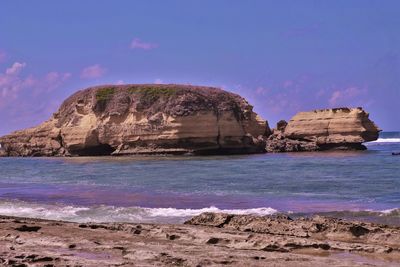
{"points": [[346, 96], [13, 84], [158, 81], [287, 84], [15, 68], [26, 99], [139, 44], [3, 56], [92, 72], [54, 80], [262, 91], [54, 76]]}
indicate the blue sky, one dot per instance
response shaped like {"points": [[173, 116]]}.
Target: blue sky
{"points": [[283, 56]]}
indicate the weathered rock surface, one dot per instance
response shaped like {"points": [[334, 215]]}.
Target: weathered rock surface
{"points": [[313, 228], [206, 240], [137, 119], [340, 128]]}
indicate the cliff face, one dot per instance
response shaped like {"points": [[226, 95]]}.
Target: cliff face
{"points": [[341, 128], [144, 119]]}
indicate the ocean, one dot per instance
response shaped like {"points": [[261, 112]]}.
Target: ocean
{"points": [[170, 189]]}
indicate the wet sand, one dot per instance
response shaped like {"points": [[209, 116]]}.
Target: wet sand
{"points": [[210, 239]]}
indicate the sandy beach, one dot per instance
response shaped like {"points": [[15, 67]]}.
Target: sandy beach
{"points": [[209, 239]]}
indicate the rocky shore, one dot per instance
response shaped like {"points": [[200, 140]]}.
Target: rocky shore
{"points": [[181, 119], [209, 239]]}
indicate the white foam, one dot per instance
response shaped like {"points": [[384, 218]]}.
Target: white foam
{"points": [[395, 211], [387, 140], [53, 212], [168, 212], [113, 214]]}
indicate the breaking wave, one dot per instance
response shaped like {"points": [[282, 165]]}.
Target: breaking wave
{"points": [[103, 213], [387, 140]]}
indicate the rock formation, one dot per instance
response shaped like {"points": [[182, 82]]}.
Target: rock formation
{"points": [[339, 128], [144, 119]]}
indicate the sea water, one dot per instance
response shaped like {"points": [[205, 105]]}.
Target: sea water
{"points": [[170, 189]]}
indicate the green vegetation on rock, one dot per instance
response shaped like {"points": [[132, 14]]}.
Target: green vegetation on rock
{"points": [[154, 93], [104, 94]]}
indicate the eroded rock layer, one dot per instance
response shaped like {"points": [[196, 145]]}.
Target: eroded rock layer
{"points": [[209, 239], [137, 119], [340, 128]]}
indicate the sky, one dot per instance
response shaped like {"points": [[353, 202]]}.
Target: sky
{"points": [[282, 56]]}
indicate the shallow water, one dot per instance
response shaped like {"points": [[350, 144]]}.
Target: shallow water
{"points": [[363, 184]]}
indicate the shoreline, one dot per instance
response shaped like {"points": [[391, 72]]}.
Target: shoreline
{"points": [[148, 207], [210, 239]]}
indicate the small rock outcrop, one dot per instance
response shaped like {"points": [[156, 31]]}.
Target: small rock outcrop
{"points": [[327, 129], [144, 119]]}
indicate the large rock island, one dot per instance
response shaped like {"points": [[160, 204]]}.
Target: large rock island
{"points": [[178, 119], [326, 129], [144, 119]]}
